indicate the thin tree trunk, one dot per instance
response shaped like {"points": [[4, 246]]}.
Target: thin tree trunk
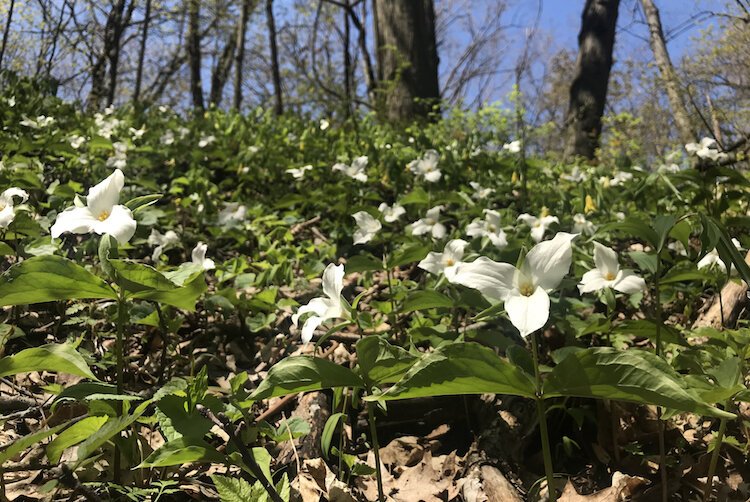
{"points": [[220, 74], [240, 56], [142, 53], [118, 27], [588, 91], [276, 73], [55, 38], [370, 80], [194, 54], [6, 32], [407, 57], [347, 60], [668, 75]]}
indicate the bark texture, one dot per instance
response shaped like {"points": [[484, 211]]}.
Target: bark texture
{"points": [[407, 58], [194, 54], [588, 92], [668, 75], [142, 52], [275, 71], [240, 56]]}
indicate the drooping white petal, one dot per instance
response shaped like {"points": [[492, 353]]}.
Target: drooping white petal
{"points": [[308, 329], [454, 250], [119, 224], [103, 196], [537, 232], [76, 220], [333, 281], [498, 239], [605, 260], [198, 256], [438, 230], [432, 263], [433, 176], [319, 306], [493, 279], [549, 261], [529, 219], [528, 313], [629, 283], [7, 215], [7, 196], [367, 227]]}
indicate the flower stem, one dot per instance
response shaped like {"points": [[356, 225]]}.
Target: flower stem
{"points": [[658, 352], [542, 416], [714, 460], [375, 449], [119, 369]]}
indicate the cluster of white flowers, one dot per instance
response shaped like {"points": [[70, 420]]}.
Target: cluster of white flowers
{"points": [[513, 146], [106, 124], [120, 157], [206, 140], [706, 149], [356, 170], [40, 122], [299, 173]]}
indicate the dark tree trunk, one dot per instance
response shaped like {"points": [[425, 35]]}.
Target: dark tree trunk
{"points": [[6, 31], [347, 60], [120, 22], [194, 54], [110, 53], [275, 71], [407, 57], [668, 75], [588, 92], [220, 74], [142, 53], [240, 56]]}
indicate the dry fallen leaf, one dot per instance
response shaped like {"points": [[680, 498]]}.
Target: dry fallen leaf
{"points": [[623, 487]]}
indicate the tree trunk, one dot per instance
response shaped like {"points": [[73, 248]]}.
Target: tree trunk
{"points": [[347, 60], [407, 57], [118, 27], [668, 75], [240, 56], [6, 31], [276, 73], [220, 74], [142, 53], [194, 54], [588, 92]]}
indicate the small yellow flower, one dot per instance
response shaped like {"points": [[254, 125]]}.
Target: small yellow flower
{"points": [[589, 207], [514, 178]]}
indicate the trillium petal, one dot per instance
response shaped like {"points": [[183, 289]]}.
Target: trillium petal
{"points": [[308, 329], [438, 230], [7, 196], [493, 279], [432, 263], [475, 228], [528, 219], [605, 260], [549, 261], [499, 240], [120, 224], [629, 283], [76, 220], [7, 215], [528, 313], [103, 196], [333, 281], [433, 176], [454, 250], [537, 232], [592, 281], [318, 306]]}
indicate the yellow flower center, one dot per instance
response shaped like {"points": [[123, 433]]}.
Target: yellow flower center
{"points": [[526, 289], [609, 276], [2, 207], [103, 216], [449, 262]]}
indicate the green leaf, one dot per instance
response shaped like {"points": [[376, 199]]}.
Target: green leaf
{"points": [[685, 276], [147, 283], [457, 369], [235, 489], [176, 422], [50, 278], [113, 427], [73, 435], [363, 263], [139, 203], [9, 451], [632, 375], [183, 451], [382, 362], [60, 358], [328, 430], [302, 373], [646, 261], [426, 299], [662, 225], [634, 227], [408, 254]]}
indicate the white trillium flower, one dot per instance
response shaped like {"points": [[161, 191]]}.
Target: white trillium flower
{"points": [[538, 225], [678, 247], [299, 173], [479, 191], [167, 138], [429, 224], [329, 307], [76, 141], [206, 140], [706, 149], [489, 227], [524, 291], [162, 242], [391, 213], [620, 178], [583, 226], [513, 146], [367, 227], [608, 274], [102, 214], [575, 176], [447, 261], [324, 124], [356, 170], [426, 167], [7, 209], [232, 213], [137, 133], [712, 259], [199, 257]]}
